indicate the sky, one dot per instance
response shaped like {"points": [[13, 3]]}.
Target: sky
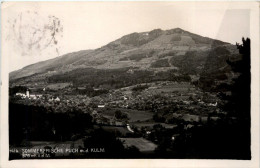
{"points": [[37, 31]]}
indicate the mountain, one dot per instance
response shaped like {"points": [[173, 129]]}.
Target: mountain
{"points": [[49, 65], [153, 52]]}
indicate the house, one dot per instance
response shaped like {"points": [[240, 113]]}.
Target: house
{"points": [[33, 96], [23, 96], [148, 132], [96, 89], [101, 106], [57, 99], [27, 93], [20, 94], [130, 71]]}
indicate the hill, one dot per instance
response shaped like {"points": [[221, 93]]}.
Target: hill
{"points": [[137, 57]]}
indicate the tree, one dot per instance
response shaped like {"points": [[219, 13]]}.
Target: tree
{"points": [[239, 101]]}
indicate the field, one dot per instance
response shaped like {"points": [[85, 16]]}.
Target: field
{"points": [[150, 125], [169, 88], [136, 115], [57, 86], [142, 144]]}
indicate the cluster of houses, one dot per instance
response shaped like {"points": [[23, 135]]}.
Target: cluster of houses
{"points": [[28, 95], [113, 101], [57, 99], [35, 96]]}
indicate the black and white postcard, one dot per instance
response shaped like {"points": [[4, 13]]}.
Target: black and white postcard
{"points": [[165, 84]]}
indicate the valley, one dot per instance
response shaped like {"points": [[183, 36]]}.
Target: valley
{"points": [[157, 94]]}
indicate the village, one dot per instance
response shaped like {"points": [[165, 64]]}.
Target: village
{"points": [[133, 113]]}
